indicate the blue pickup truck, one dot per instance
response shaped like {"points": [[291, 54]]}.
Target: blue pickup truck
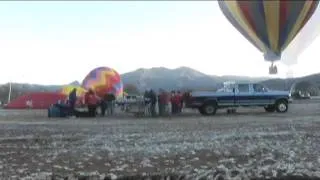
{"points": [[240, 95]]}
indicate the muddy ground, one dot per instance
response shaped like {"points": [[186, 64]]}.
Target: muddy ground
{"points": [[250, 143]]}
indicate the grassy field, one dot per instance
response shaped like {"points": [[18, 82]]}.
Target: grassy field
{"points": [[250, 143]]}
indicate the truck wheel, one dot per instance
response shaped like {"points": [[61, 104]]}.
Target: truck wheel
{"points": [[209, 109], [281, 106], [270, 108], [201, 111]]}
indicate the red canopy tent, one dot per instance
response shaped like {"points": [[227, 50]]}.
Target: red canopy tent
{"points": [[37, 100]]}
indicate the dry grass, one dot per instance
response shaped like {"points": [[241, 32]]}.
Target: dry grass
{"points": [[248, 144]]}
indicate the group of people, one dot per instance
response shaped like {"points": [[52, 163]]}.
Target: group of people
{"points": [[106, 103], [166, 102], [164, 99], [91, 101]]}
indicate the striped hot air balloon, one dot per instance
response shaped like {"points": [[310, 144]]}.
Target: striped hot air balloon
{"points": [[270, 25], [104, 80]]}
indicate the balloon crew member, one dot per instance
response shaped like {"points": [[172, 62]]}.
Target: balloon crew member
{"points": [[185, 98], [179, 101], [110, 103], [160, 103], [165, 98], [173, 102], [153, 101], [72, 100], [146, 98], [103, 104], [92, 102], [176, 102]]}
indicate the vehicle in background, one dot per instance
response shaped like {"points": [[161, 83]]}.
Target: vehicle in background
{"points": [[301, 95], [239, 95]]}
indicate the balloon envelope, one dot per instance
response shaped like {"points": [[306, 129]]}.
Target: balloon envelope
{"points": [[269, 25], [103, 80], [66, 90]]}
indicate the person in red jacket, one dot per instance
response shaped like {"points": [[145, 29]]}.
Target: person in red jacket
{"points": [[173, 104], [179, 102], [91, 101]]}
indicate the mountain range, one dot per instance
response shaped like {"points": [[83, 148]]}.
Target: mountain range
{"points": [[160, 77], [179, 78]]}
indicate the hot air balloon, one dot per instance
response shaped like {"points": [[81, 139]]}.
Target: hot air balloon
{"points": [[269, 25], [103, 80], [303, 39]]}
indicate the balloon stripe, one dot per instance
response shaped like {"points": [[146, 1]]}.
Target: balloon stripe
{"points": [[294, 9], [235, 23], [311, 12], [236, 12], [253, 12], [298, 25], [233, 5], [272, 10]]}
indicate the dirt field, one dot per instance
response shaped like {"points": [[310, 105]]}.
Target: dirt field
{"points": [[250, 143]]}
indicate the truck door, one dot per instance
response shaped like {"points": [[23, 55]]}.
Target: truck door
{"points": [[243, 95], [260, 95]]}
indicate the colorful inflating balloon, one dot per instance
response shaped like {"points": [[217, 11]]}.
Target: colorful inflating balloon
{"points": [[103, 80], [66, 90], [270, 25], [304, 39]]}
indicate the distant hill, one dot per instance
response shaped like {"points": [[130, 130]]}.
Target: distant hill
{"points": [[19, 89], [179, 78]]}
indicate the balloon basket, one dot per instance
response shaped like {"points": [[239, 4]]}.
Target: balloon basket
{"points": [[273, 69]]}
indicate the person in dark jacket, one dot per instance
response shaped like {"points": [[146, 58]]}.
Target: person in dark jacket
{"points": [[72, 100], [110, 103], [180, 101], [160, 103], [153, 102], [173, 102], [146, 97], [103, 104]]}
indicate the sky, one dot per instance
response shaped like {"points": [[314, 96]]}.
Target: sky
{"points": [[58, 42]]}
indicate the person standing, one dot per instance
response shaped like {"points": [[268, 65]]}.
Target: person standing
{"points": [[92, 101], [72, 100], [110, 103], [179, 102], [103, 104], [161, 102], [166, 103], [173, 102], [147, 105], [153, 101]]}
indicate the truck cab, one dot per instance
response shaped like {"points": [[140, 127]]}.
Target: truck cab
{"points": [[240, 95]]}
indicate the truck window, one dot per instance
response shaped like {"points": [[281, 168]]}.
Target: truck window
{"points": [[258, 88], [243, 87]]}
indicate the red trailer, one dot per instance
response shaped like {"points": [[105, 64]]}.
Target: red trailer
{"points": [[37, 100]]}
